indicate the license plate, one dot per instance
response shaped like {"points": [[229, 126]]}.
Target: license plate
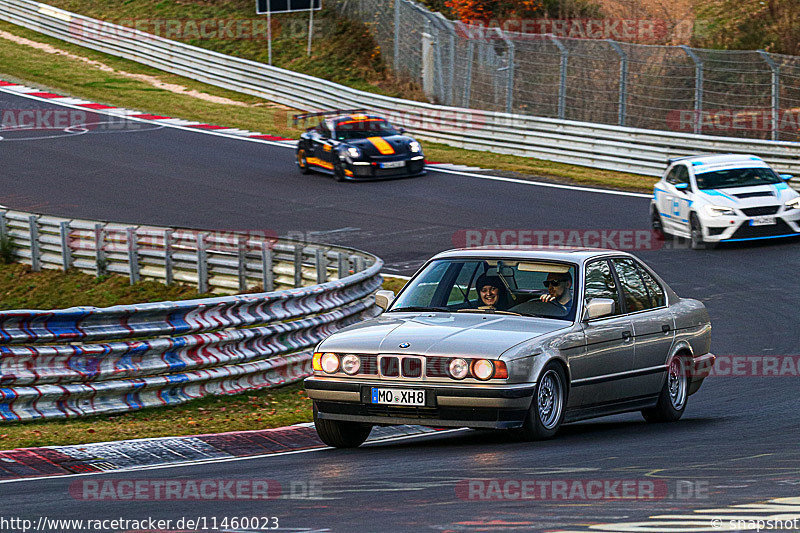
{"points": [[762, 221], [393, 164], [398, 396]]}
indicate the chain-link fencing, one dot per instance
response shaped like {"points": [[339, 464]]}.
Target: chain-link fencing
{"points": [[748, 94]]}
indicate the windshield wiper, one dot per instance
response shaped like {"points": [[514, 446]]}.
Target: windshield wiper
{"points": [[492, 311], [413, 308]]}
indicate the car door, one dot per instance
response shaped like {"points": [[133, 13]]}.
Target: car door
{"points": [[599, 373], [323, 146], [674, 203], [653, 325]]}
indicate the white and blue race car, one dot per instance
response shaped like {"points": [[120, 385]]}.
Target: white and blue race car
{"points": [[709, 199]]}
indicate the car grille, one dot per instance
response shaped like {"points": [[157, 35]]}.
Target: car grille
{"points": [[753, 194], [746, 231], [390, 366], [406, 366], [760, 211], [369, 365], [437, 367]]}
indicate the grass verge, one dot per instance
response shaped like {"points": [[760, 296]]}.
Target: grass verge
{"points": [[128, 84]]}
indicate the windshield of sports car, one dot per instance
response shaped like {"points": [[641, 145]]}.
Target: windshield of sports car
{"points": [[361, 128], [493, 286], [736, 177]]}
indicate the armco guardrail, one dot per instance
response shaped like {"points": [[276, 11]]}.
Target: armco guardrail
{"points": [[87, 360], [593, 145]]}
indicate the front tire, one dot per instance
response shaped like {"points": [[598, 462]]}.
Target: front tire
{"points": [[547, 409], [302, 161], [338, 171], [341, 434], [657, 225], [696, 233], [674, 394]]}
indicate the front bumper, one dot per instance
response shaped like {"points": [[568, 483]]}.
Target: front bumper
{"points": [[485, 406], [372, 169], [739, 228]]}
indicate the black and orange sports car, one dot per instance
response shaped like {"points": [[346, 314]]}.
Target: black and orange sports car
{"points": [[354, 145]]}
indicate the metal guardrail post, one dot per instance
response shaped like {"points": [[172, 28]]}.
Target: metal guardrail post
{"points": [[562, 78], [321, 262], [168, 257], [359, 263], [133, 255], [776, 93], [66, 252], [99, 250], [622, 107], [698, 89], [267, 276], [242, 266], [202, 264], [3, 226], [343, 265], [36, 253], [298, 265]]}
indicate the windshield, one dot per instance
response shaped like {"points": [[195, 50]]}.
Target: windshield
{"points": [[363, 128], [736, 177], [526, 288]]}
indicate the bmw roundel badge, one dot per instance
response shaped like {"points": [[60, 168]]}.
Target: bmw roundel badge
{"points": [[404, 345]]}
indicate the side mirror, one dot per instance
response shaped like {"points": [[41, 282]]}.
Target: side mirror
{"points": [[402, 131], [599, 307], [384, 299], [786, 177], [682, 186]]}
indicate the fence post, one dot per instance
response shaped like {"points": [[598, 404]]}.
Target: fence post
{"points": [[396, 65], [623, 82], [776, 92], [321, 262], [242, 267], [451, 73], [36, 253], [562, 78], [133, 255], [698, 88], [359, 263], [298, 265], [268, 278], [468, 72], [99, 251], [202, 264], [3, 226], [168, 257], [66, 253]]}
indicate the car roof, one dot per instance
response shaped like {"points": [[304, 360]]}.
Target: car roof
{"points": [[555, 253], [722, 160]]}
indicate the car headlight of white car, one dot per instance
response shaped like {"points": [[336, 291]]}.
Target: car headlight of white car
{"points": [[718, 210], [794, 203]]}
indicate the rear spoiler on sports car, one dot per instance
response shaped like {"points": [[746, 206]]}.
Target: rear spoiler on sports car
{"points": [[297, 118], [671, 160]]}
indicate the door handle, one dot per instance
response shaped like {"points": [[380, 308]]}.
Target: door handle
{"points": [[665, 328], [626, 335]]}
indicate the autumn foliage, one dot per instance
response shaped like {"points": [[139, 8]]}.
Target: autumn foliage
{"points": [[470, 10]]}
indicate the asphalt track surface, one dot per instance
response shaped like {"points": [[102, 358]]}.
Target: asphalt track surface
{"points": [[737, 442]]}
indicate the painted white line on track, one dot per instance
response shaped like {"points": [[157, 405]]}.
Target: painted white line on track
{"points": [[226, 459], [285, 144]]}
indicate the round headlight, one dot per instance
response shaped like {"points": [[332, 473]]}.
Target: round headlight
{"points": [[459, 368], [330, 362], [351, 364], [482, 369], [354, 152]]}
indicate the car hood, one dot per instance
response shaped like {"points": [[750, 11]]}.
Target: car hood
{"points": [[398, 144], [445, 334], [755, 196]]}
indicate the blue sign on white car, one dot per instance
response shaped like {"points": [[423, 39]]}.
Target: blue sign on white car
{"points": [[709, 199]]}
